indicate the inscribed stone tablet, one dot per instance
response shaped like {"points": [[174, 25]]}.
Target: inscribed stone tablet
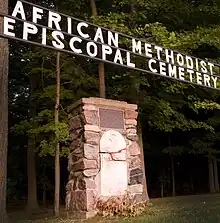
{"points": [[111, 118], [114, 178]]}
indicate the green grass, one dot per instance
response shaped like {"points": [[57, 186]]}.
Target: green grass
{"points": [[186, 209]]}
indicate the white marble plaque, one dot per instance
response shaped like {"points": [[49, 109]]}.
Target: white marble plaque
{"points": [[114, 178], [114, 173]]}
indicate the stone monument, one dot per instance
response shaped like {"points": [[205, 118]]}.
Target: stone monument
{"points": [[104, 158]]}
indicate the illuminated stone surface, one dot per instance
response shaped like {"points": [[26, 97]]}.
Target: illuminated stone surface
{"points": [[104, 159], [114, 179]]}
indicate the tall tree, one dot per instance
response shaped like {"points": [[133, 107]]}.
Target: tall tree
{"points": [[211, 176], [173, 176], [57, 149], [215, 165], [32, 204], [140, 140], [3, 114], [102, 90]]}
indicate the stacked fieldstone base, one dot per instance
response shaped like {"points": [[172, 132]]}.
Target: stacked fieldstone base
{"points": [[83, 188]]}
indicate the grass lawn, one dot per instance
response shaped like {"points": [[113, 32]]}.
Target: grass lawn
{"points": [[187, 209]]}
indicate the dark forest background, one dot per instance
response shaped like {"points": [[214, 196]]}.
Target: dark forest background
{"points": [[180, 123]]}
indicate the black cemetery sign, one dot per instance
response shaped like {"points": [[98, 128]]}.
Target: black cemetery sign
{"points": [[54, 30]]}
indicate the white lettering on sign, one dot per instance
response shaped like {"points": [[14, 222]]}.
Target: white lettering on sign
{"points": [[211, 67], [159, 50], [44, 36], [99, 35], [162, 68], [181, 73], [92, 47], [203, 66], [29, 29], [69, 25], [136, 46], [189, 62], [169, 56], [37, 14], [150, 65], [57, 42], [118, 57], [54, 18], [75, 36], [172, 70], [8, 26], [79, 29], [106, 50], [113, 39], [190, 72], [73, 48], [214, 79], [148, 50], [207, 80], [180, 59], [129, 63], [19, 9]]}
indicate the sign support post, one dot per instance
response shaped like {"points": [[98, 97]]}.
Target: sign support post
{"points": [[3, 115]]}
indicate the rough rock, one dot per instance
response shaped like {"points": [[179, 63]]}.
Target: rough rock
{"points": [[121, 156], [91, 151], [86, 183], [135, 189], [75, 144], [83, 200], [136, 171], [131, 131], [131, 114], [85, 164], [91, 172], [134, 162], [137, 179], [138, 198], [134, 149], [130, 127], [75, 123], [91, 117], [90, 108], [92, 128], [91, 138], [131, 122], [132, 137]]}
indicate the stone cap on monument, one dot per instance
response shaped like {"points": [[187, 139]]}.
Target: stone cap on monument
{"points": [[102, 102]]}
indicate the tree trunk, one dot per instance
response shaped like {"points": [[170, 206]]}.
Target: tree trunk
{"points": [[173, 177], [145, 192], [215, 164], [211, 176], [32, 204], [57, 153], [93, 7], [3, 115], [102, 90], [191, 183], [44, 194], [162, 189]]}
